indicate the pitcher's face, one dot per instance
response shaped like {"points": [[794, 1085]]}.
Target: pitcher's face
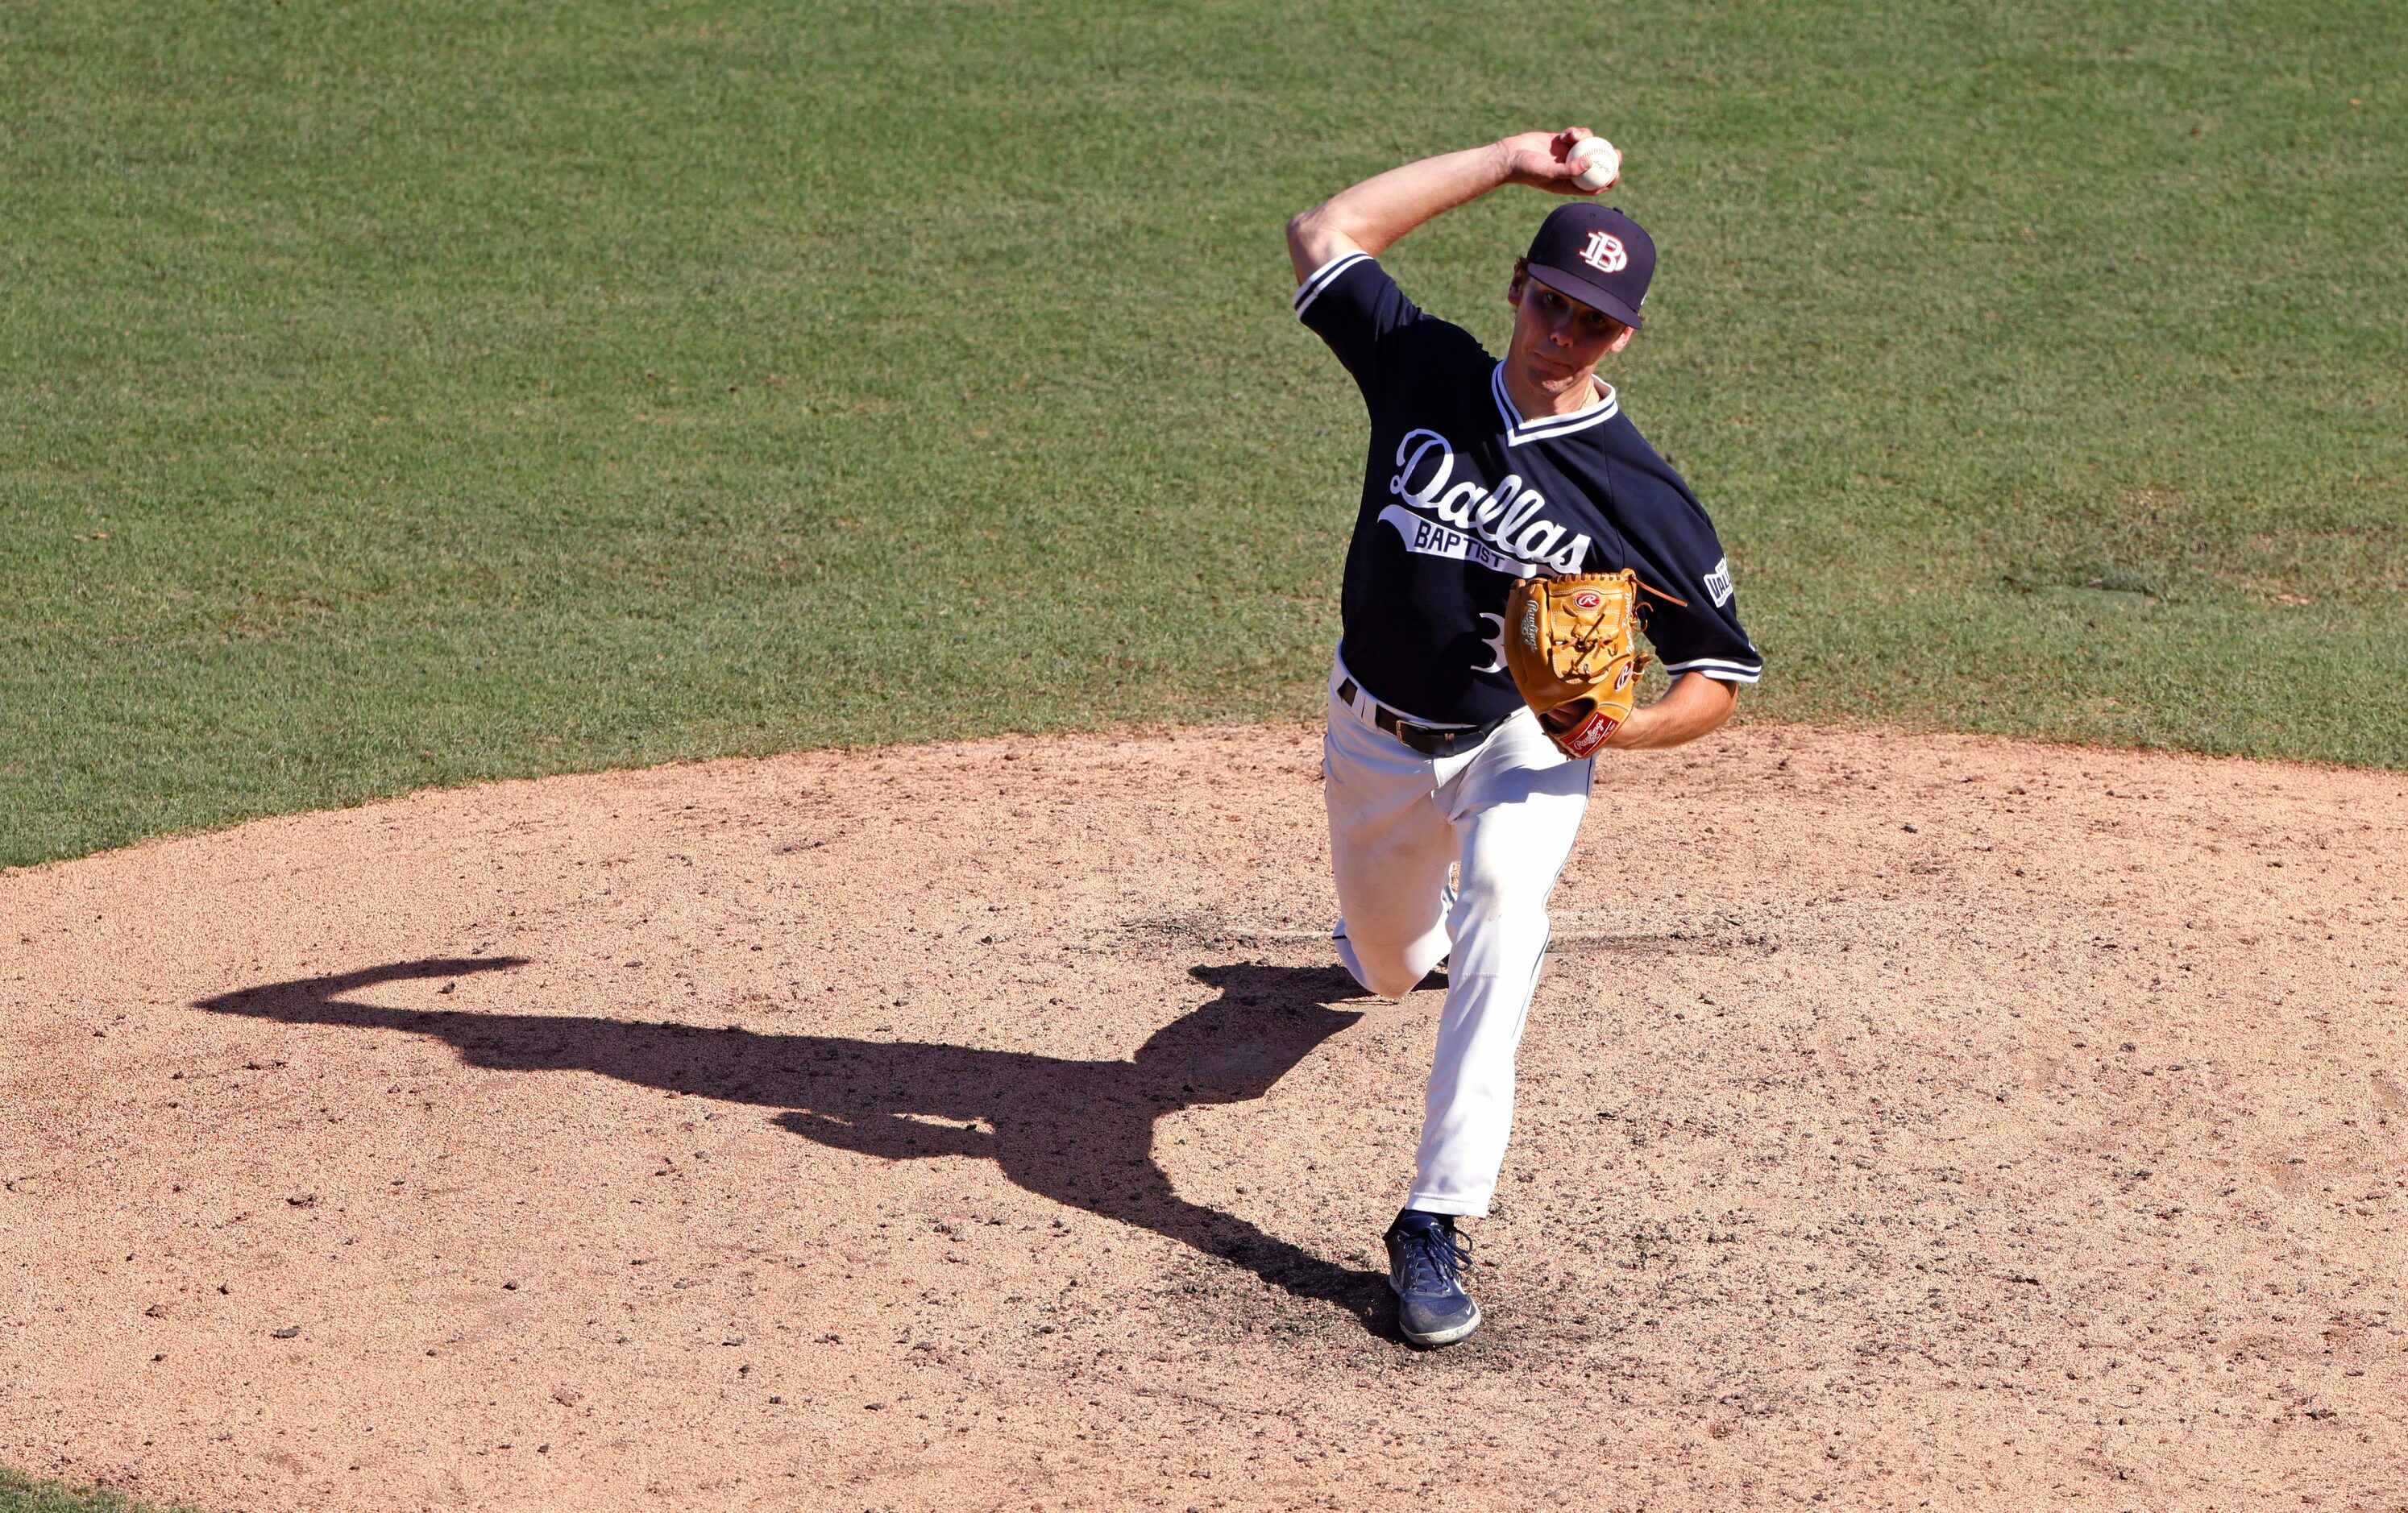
{"points": [[1557, 340]]}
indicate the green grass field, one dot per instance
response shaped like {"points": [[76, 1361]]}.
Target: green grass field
{"points": [[413, 393], [23, 1494]]}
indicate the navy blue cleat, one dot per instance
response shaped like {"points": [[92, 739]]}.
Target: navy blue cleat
{"points": [[1426, 1259]]}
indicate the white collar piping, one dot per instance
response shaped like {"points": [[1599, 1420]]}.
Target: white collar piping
{"points": [[1548, 427]]}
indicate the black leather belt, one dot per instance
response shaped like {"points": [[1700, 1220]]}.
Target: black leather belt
{"points": [[1429, 740]]}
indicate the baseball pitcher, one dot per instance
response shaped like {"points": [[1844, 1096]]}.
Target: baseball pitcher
{"points": [[1514, 532]]}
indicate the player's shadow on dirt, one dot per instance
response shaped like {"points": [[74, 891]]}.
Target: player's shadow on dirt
{"points": [[1077, 1132]]}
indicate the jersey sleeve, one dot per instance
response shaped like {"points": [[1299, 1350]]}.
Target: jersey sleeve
{"points": [[1680, 558], [1351, 303]]}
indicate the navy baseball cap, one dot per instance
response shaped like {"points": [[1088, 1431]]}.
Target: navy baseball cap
{"points": [[1597, 255]]}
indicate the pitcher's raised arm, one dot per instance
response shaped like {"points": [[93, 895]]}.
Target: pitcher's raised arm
{"points": [[1372, 216]]}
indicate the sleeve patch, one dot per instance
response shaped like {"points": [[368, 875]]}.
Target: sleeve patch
{"points": [[1718, 583]]}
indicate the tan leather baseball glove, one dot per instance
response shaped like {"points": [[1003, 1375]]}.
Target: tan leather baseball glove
{"points": [[1569, 645]]}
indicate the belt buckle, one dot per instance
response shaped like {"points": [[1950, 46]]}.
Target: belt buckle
{"points": [[1422, 738], [1428, 740]]}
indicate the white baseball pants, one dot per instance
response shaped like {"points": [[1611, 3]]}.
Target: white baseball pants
{"points": [[1504, 816]]}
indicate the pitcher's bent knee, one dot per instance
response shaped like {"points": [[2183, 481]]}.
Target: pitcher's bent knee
{"points": [[1392, 978], [1387, 973]]}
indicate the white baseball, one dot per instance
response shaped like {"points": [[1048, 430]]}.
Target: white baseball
{"points": [[1604, 165]]}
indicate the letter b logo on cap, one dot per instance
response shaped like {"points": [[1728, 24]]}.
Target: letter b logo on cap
{"points": [[1605, 252]]}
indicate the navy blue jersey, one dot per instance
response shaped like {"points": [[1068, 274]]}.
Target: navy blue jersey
{"points": [[1461, 496]]}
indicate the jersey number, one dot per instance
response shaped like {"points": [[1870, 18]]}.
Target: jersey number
{"points": [[1495, 644]]}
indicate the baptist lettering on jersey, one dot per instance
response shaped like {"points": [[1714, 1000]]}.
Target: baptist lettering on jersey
{"points": [[1461, 495], [1502, 528]]}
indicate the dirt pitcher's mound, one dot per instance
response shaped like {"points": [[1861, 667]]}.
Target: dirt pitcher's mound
{"points": [[1905, 1122]]}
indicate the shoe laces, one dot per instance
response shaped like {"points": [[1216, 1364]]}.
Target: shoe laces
{"points": [[1434, 1258]]}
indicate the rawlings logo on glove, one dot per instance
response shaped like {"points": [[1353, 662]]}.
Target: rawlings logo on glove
{"points": [[1575, 656]]}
